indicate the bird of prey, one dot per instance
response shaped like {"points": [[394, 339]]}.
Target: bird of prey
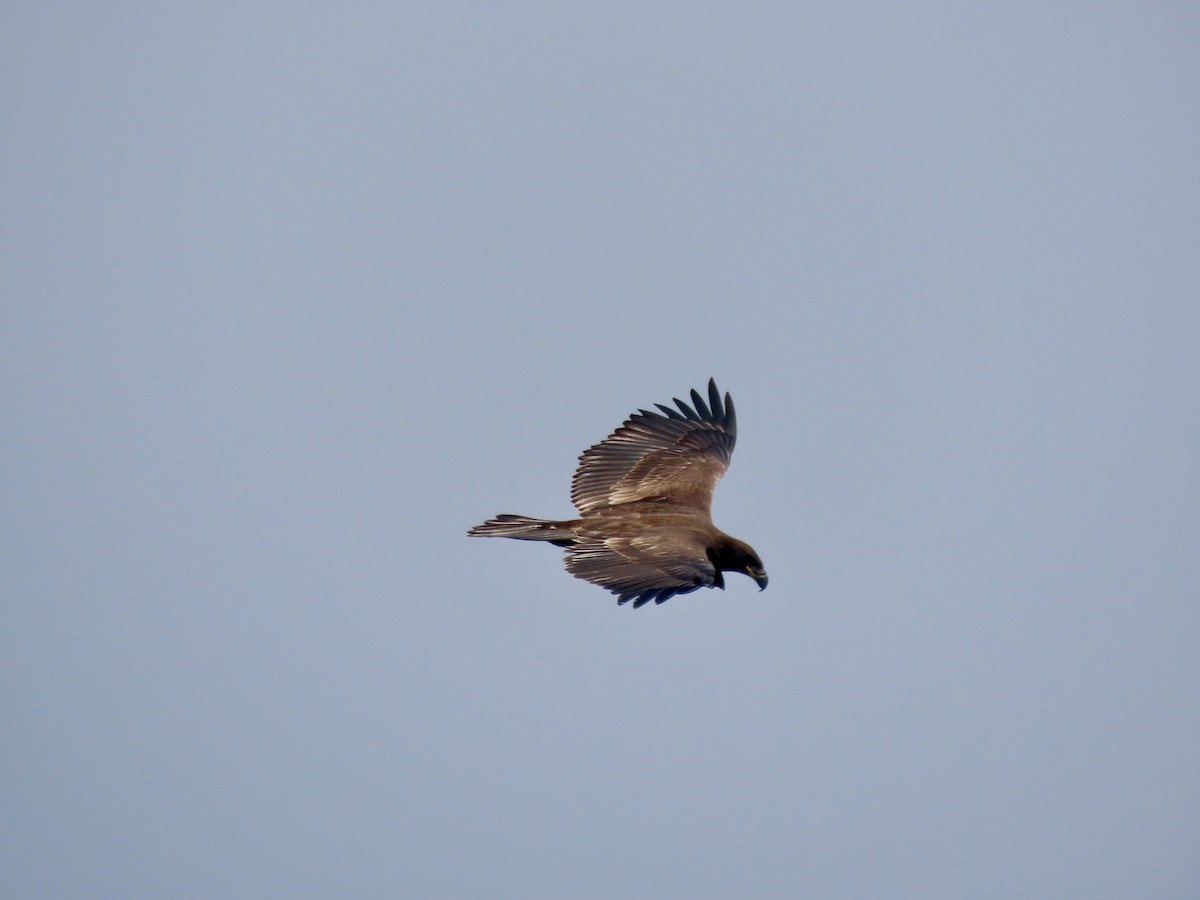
{"points": [[644, 494]]}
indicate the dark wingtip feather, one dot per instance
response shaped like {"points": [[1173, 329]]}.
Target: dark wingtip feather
{"points": [[714, 401], [687, 410]]}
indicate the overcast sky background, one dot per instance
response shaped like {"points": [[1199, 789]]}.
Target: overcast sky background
{"points": [[295, 294]]}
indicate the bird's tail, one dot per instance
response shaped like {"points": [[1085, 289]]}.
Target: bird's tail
{"points": [[526, 528]]}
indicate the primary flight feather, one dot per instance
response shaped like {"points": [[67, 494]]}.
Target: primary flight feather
{"points": [[644, 494]]}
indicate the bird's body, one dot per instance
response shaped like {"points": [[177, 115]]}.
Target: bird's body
{"points": [[644, 495]]}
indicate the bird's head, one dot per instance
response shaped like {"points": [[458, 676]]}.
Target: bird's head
{"points": [[732, 555]]}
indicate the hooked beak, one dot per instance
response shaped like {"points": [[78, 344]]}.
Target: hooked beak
{"points": [[759, 576]]}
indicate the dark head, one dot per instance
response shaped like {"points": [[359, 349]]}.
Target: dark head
{"points": [[732, 555]]}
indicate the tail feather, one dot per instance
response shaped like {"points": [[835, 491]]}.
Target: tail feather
{"points": [[525, 528]]}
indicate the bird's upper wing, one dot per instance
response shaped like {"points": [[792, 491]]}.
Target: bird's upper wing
{"points": [[676, 456], [644, 567]]}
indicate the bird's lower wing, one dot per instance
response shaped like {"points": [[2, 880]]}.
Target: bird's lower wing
{"points": [[642, 569]]}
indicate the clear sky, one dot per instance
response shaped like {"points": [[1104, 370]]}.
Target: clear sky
{"points": [[294, 294]]}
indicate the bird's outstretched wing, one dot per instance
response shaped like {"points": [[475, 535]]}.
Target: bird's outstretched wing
{"points": [[641, 569], [676, 456]]}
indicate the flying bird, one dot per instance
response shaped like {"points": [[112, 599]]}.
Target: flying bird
{"points": [[644, 496]]}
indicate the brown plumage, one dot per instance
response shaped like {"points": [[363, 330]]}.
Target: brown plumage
{"points": [[644, 495]]}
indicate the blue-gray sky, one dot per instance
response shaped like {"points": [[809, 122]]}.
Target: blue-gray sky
{"points": [[295, 294]]}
